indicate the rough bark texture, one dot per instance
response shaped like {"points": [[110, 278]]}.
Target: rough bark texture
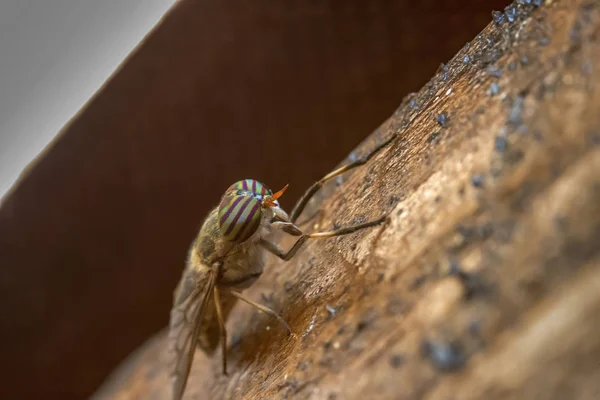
{"points": [[484, 283], [93, 238]]}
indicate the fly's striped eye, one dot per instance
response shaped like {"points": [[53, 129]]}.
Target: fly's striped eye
{"points": [[240, 209]]}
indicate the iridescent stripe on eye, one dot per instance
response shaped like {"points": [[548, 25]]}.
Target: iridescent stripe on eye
{"points": [[240, 209], [250, 219], [235, 219], [229, 208], [252, 186]]}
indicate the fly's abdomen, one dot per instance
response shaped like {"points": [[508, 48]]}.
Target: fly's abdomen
{"points": [[209, 336]]}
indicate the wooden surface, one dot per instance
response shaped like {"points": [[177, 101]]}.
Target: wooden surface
{"points": [[93, 237], [484, 283]]}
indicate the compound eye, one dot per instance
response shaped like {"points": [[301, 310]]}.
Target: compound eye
{"points": [[240, 210], [250, 185]]}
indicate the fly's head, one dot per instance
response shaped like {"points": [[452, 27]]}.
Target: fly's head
{"points": [[245, 206]]}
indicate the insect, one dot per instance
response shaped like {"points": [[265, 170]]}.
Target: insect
{"points": [[228, 256]]}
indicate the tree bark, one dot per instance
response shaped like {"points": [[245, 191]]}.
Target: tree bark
{"points": [[484, 281], [93, 237]]}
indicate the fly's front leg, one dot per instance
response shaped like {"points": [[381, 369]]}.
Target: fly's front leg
{"points": [[288, 227], [287, 255], [284, 255], [318, 184]]}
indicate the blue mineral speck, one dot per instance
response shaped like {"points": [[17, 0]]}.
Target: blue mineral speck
{"points": [[494, 71], [433, 136], [499, 17], [454, 267], [444, 356], [330, 310], [500, 143], [494, 89], [594, 138], [442, 119], [575, 33], [477, 180], [445, 70], [511, 13], [516, 110], [586, 68]]}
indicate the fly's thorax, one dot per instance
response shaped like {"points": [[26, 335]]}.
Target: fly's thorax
{"points": [[244, 261], [210, 246], [241, 261]]}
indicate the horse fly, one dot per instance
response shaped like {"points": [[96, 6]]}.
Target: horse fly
{"points": [[228, 256]]}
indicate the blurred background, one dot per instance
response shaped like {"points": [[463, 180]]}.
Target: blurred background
{"points": [[54, 55], [94, 236]]}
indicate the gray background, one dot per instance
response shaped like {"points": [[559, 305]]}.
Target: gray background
{"points": [[54, 54]]}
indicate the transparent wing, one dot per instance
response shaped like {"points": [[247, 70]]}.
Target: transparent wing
{"points": [[191, 300]]}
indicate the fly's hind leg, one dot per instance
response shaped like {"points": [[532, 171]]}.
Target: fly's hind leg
{"points": [[262, 308], [222, 330], [299, 207]]}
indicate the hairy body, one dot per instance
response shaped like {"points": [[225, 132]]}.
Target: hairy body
{"points": [[243, 264]]}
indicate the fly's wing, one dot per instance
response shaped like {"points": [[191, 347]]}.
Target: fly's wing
{"points": [[191, 301]]}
